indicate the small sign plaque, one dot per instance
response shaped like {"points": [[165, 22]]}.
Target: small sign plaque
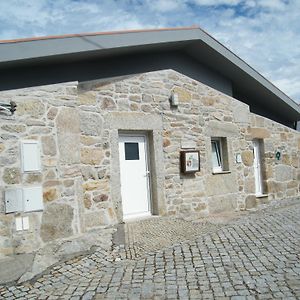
{"points": [[190, 161]]}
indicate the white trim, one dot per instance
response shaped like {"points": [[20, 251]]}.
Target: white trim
{"points": [[219, 154], [257, 168], [147, 164]]}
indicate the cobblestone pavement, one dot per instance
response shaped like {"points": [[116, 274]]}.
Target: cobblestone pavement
{"points": [[255, 257], [153, 234]]}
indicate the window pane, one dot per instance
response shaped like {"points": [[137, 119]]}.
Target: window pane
{"points": [[132, 151], [216, 159]]}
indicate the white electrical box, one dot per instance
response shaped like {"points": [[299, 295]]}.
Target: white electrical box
{"points": [[22, 223], [25, 223], [19, 223], [13, 200], [33, 198], [238, 158], [24, 199], [30, 156]]}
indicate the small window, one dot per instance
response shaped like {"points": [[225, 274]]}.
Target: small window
{"points": [[219, 155], [132, 151]]}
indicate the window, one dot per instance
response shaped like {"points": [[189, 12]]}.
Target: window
{"points": [[132, 151], [219, 155]]}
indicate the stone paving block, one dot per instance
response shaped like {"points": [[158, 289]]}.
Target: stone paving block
{"points": [[250, 258]]}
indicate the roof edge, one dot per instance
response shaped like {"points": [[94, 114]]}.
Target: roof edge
{"points": [[49, 37]]}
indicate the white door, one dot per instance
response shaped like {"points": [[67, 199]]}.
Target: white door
{"points": [[134, 171], [257, 168]]}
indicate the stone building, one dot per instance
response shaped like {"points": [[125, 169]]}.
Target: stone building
{"points": [[111, 126]]}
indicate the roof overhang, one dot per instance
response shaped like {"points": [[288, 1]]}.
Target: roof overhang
{"points": [[192, 40]]}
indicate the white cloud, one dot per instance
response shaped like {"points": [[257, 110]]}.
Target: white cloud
{"points": [[218, 2], [164, 5], [272, 4], [265, 33]]}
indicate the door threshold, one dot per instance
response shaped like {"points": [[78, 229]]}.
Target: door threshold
{"points": [[138, 217], [261, 195]]}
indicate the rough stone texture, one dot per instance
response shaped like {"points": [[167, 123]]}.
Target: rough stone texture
{"points": [[100, 198], [241, 113], [221, 184], [91, 156], [52, 112], [221, 129], [283, 173], [33, 178], [50, 194], [260, 133], [57, 252], [14, 128], [32, 108], [57, 222], [250, 202], [68, 127], [91, 185], [97, 219], [77, 126], [222, 204], [11, 175], [87, 98], [49, 145], [87, 201], [90, 123], [183, 94], [247, 158], [13, 267]]}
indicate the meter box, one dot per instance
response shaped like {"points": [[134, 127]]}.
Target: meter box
{"points": [[33, 198], [13, 200], [30, 156], [24, 199]]}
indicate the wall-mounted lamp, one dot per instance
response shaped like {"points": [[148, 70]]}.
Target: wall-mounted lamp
{"points": [[8, 108], [174, 99]]}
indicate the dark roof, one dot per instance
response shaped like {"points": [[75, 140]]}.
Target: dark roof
{"points": [[196, 43]]}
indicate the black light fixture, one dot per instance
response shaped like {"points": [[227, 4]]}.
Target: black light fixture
{"points": [[9, 108]]}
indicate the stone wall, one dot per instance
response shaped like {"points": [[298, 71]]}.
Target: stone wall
{"points": [[282, 175], [73, 173], [80, 176]]}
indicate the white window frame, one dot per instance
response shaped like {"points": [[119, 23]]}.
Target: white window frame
{"points": [[219, 153]]}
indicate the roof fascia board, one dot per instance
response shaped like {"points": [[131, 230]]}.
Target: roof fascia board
{"points": [[69, 45]]}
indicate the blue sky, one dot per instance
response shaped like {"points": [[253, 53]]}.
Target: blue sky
{"points": [[264, 33]]}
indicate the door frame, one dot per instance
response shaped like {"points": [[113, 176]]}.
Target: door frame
{"points": [[148, 170], [137, 122], [258, 174]]}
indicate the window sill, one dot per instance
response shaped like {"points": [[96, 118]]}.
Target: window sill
{"points": [[261, 196], [221, 172]]}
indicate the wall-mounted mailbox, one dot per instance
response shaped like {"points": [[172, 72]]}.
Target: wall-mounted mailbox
{"points": [[30, 156], [190, 161], [24, 199]]}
